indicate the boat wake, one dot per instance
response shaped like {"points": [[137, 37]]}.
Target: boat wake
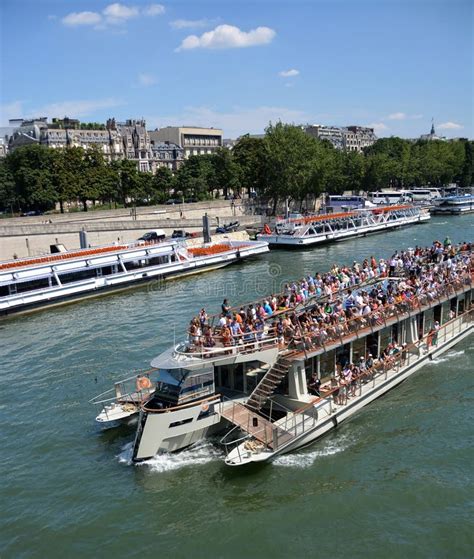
{"points": [[197, 454], [305, 459], [447, 357]]}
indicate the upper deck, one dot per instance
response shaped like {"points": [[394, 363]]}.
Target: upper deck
{"points": [[324, 321]]}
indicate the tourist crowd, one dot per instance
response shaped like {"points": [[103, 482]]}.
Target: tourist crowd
{"points": [[323, 308]]}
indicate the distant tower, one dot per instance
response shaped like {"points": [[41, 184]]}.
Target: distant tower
{"points": [[433, 133]]}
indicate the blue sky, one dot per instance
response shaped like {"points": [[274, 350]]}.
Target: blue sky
{"points": [[237, 65]]}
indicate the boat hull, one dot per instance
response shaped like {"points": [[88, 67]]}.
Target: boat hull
{"points": [[59, 295], [334, 415]]}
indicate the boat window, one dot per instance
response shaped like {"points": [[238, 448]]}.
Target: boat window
{"points": [[343, 355], [327, 364]]}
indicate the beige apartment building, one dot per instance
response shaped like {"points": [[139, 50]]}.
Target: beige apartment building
{"points": [[193, 140]]}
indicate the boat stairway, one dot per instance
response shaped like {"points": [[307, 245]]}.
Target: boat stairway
{"points": [[266, 387], [255, 425]]}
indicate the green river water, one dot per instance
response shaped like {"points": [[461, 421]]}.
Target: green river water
{"points": [[396, 481]]}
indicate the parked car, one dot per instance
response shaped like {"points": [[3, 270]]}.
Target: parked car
{"points": [[182, 234], [32, 212], [229, 228], [172, 201], [154, 236], [191, 200]]}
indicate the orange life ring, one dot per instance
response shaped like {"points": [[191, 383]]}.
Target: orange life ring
{"points": [[143, 383], [204, 406]]}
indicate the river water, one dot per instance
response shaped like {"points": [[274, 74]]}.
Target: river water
{"points": [[395, 481]]}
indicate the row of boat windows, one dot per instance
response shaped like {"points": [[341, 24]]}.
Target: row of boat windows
{"points": [[89, 273], [325, 364]]}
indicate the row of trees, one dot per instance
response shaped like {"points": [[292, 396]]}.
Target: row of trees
{"points": [[285, 163]]}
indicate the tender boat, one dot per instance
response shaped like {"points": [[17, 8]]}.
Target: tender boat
{"points": [[311, 230], [32, 283], [124, 400], [255, 385], [455, 205]]}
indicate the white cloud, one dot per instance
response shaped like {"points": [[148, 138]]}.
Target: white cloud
{"points": [[450, 126], [397, 116], [75, 109], [289, 73], [234, 123], [82, 18], [404, 116], [228, 36], [119, 13], [378, 127], [146, 80], [154, 10], [190, 23], [113, 14]]}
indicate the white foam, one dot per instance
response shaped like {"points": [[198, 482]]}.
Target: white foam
{"points": [[304, 459], [125, 456], [447, 357], [197, 454]]}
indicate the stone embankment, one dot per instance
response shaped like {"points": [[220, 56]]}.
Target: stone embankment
{"points": [[31, 236]]}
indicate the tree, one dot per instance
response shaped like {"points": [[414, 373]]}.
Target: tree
{"points": [[30, 168], [249, 154], [8, 196], [226, 172], [290, 157], [162, 184], [196, 176]]}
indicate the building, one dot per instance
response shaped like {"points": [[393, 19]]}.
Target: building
{"points": [[432, 135], [136, 144], [166, 154], [332, 134], [356, 138], [350, 138], [192, 139], [66, 132]]}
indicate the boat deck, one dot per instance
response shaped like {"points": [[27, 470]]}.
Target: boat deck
{"points": [[255, 425]]}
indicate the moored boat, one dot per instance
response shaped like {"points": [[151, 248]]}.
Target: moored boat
{"points": [[32, 283], [287, 376], [455, 205], [311, 230]]}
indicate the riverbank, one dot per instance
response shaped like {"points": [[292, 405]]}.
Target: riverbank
{"points": [[32, 236]]}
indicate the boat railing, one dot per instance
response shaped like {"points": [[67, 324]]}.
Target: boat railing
{"points": [[131, 390], [238, 345], [327, 333], [427, 264]]}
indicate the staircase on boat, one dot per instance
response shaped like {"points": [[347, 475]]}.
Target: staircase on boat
{"points": [[267, 386], [247, 417], [255, 425]]}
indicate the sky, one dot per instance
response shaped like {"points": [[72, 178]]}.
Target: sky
{"points": [[237, 65]]}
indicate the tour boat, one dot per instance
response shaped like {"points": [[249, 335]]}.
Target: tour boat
{"points": [[311, 230], [31, 283], [257, 387], [455, 205]]}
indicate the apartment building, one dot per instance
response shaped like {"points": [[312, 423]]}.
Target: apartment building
{"points": [[193, 140]]}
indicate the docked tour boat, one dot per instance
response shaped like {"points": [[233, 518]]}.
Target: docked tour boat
{"points": [[455, 205], [316, 229], [28, 284], [256, 386]]}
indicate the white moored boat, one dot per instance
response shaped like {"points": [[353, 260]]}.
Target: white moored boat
{"points": [[311, 230], [455, 205], [255, 382], [31, 283]]}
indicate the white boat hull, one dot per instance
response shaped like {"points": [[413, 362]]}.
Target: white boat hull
{"points": [[329, 415], [310, 240]]}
